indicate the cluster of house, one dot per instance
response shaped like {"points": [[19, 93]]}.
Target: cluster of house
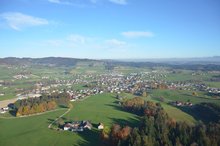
{"points": [[81, 94], [4, 110], [79, 126], [181, 103], [20, 77]]}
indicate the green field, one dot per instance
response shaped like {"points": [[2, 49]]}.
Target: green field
{"points": [[182, 95], [178, 114], [33, 130], [99, 108]]}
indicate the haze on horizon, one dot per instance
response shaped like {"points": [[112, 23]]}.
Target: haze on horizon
{"points": [[110, 29]]}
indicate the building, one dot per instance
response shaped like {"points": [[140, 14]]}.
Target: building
{"points": [[77, 126], [101, 126]]}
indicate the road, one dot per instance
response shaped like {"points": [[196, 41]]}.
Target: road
{"points": [[49, 126], [4, 103]]}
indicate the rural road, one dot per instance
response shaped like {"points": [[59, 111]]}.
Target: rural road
{"points": [[2, 117], [4, 103], [49, 126]]}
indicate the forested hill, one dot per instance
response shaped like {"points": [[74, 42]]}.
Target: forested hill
{"points": [[110, 64], [54, 61]]}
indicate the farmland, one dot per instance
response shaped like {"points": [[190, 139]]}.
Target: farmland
{"points": [[99, 108], [94, 86]]}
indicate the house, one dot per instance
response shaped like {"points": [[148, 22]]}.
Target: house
{"points": [[2, 111], [86, 125], [101, 126], [77, 126], [67, 126]]}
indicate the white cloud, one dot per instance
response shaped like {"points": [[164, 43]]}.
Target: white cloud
{"points": [[115, 42], [60, 2], [74, 3], [18, 20], [54, 1], [55, 43], [136, 34], [120, 2], [75, 38]]}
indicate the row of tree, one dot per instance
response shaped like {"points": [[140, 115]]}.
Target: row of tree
{"points": [[40, 104], [156, 128], [36, 108]]}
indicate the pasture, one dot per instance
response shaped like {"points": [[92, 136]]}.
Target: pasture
{"points": [[182, 95], [98, 108], [34, 130]]}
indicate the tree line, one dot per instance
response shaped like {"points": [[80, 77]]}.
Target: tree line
{"points": [[156, 128], [40, 104]]}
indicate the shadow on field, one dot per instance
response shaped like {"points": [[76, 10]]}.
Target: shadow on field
{"points": [[200, 97], [115, 107], [13, 113], [132, 122], [91, 138], [49, 121], [201, 113]]}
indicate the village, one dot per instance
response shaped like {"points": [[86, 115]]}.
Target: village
{"points": [[134, 83]]}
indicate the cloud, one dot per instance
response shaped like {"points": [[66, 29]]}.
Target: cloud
{"points": [[75, 3], [17, 20], [120, 2], [75, 38], [137, 34], [115, 42], [54, 43], [60, 2]]}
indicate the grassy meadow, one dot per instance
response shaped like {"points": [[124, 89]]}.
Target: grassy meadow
{"points": [[182, 95], [98, 108]]}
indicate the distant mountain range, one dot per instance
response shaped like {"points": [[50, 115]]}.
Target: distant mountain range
{"points": [[207, 63], [55, 61]]}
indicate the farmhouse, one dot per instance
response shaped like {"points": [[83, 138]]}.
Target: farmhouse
{"points": [[179, 103], [4, 110], [101, 126], [77, 126]]}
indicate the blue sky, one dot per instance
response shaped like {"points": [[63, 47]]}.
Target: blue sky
{"points": [[110, 29]]}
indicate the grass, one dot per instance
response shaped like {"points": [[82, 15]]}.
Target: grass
{"points": [[213, 84], [182, 95], [178, 114], [174, 112], [86, 69], [33, 130], [98, 108], [101, 108]]}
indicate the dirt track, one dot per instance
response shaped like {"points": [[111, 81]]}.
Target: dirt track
{"points": [[4, 103]]}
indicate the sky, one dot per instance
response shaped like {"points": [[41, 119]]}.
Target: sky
{"points": [[110, 29]]}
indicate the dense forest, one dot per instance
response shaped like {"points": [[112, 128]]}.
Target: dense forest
{"points": [[156, 128], [41, 104]]}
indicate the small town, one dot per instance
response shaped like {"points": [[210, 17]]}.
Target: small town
{"points": [[110, 73]]}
